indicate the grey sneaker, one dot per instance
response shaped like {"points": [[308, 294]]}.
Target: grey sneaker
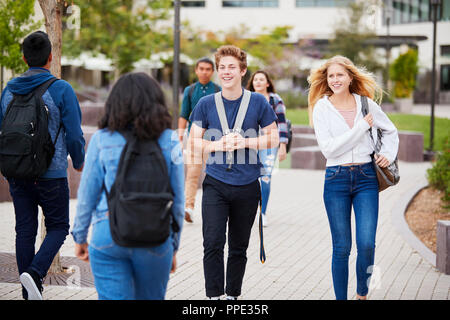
{"points": [[32, 284]]}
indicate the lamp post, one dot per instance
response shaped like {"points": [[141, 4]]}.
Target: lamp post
{"points": [[435, 4], [176, 63], [388, 14]]}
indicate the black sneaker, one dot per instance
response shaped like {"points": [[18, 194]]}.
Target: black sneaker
{"points": [[32, 283]]}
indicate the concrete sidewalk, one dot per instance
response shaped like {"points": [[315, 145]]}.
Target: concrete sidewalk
{"points": [[298, 249]]}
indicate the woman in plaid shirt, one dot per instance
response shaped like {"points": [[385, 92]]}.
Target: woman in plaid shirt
{"points": [[260, 82]]}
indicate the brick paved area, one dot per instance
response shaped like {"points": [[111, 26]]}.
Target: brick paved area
{"points": [[298, 249]]}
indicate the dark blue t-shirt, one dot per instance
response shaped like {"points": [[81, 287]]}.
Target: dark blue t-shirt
{"points": [[246, 167]]}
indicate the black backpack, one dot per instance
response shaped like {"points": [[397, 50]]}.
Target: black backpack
{"points": [[26, 147], [140, 200]]}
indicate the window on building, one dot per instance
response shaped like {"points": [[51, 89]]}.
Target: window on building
{"points": [[424, 10], [193, 3], [406, 11], [445, 51], [445, 77], [322, 3], [396, 12], [446, 10], [251, 3], [415, 10], [188, 3], [405, 8]]}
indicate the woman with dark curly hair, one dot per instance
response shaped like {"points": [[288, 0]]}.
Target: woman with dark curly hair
{"points": [[136, 103]]}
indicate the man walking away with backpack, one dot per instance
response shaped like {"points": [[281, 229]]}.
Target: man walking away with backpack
{"points": [[204, 69], [40, 124]]}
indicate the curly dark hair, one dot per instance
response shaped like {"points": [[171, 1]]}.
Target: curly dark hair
{"points": [[136, 102]]}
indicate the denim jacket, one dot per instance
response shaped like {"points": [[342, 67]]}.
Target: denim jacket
{"points": [[102, 160]]}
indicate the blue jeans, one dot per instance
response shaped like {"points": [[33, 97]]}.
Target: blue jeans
{"points": [[268, 159], [347, 186], [128, 273], [52, 196]]}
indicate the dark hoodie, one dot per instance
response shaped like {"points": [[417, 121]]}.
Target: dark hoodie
{"points": [[64, 110]]}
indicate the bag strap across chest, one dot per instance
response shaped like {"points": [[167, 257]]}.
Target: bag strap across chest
{"points": [[240, 116], [365, 111]]}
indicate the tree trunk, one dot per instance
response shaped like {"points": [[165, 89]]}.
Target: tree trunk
{"points": [[52, 10]]}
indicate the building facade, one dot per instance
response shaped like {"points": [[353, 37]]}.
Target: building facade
{"points": [[410, 22]]}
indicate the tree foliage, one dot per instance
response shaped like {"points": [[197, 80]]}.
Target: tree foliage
{"points": [[403, 72], [265, 49], [352, 37], [16, 21], [123, 30]]}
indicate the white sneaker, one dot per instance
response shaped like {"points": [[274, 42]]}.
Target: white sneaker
{"points": [[214, 298], [231, 298], [33, 287]]}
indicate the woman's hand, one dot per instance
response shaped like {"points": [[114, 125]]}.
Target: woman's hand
{"points": [[282, 154], [369, 119], [81, 251], [381, 161]]}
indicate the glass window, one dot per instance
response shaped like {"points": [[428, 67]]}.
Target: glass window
{"points": [[405, 11], [192, 3], [445, 51], [446, 10], [251, 3], [188, 3], [415, 10], [397, 12], [322, 3], [424, 10], [445, 77]]}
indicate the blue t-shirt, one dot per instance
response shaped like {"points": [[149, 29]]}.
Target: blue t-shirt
{"points": [[246, 167]]}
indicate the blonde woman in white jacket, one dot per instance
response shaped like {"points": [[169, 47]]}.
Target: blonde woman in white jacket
{"points": [[350, 179]]}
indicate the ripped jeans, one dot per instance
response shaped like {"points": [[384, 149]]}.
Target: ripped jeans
{"points": [[268, 159]]}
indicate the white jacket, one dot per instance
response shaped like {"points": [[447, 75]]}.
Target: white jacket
{"points": [[342, 145]]}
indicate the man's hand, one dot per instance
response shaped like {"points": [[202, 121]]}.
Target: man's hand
{"points": [[174, 263], [81, 251]]}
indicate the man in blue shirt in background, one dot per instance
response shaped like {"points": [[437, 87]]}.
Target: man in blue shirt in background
{"points": [[204, 69], [50, 191]]}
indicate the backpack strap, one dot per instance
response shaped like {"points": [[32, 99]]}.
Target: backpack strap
{"points": [[40, 90], [242, 111], [191, 92], [365, 112], [239, 118]]}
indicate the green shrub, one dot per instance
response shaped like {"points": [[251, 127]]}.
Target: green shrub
{"points": [[403, 72], [294, 99], [439, 175]]}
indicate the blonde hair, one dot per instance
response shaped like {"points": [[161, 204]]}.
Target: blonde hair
{"points": [[363, 83]]}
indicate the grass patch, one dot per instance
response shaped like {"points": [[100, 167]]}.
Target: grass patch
{"points": [[403, 122]]}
